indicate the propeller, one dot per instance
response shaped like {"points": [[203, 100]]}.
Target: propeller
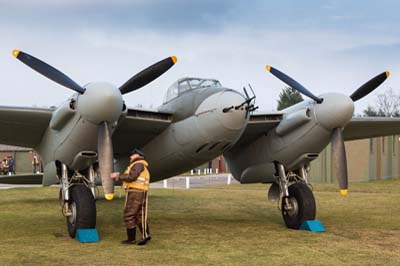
{"points": [[147, 75], [338, 147], [369, 86], [340, 161], [104, 140], [47, 71], [292, 83], [106, 156]]}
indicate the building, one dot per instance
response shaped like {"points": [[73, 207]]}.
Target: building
{"points": [[22, 158], [367, 159]]}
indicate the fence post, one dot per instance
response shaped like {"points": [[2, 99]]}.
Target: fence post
{"points": [[187, 182], [229, 179], [165, 183]]}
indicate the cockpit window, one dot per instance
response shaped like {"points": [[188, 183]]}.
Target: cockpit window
{"points": [[186, 84]]}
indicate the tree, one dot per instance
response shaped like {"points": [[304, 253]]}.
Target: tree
{"points": [[370, 111], [387, 104], [288, 97]]}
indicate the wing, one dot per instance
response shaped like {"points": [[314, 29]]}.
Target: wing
{"points": [[138, 128], [258, 125], [369, 127], [20, 126]]}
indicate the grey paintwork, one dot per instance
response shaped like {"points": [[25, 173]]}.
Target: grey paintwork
{"points": [[173, 136], [307, 129], [71, 137]]}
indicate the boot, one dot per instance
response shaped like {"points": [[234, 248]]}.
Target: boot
{"points": [[147, 236], [131, 233]]}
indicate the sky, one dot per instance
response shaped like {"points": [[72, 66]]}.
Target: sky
{"points": [[327, 46]]}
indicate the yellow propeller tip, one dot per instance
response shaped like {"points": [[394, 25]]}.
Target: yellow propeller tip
{"points": [[15, 53], [344, 192], [174, 59], [268, 67], [109, 196], [387, 74]]}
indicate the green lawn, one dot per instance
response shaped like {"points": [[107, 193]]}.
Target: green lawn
{"points": [[224, 225]]}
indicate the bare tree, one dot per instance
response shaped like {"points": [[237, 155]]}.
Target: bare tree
{"points": [[387, 104]]}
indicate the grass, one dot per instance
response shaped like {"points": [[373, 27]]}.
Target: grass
{"points": [[224, 225]]}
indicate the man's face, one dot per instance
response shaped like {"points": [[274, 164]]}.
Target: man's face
{"points": [[134, 157]]}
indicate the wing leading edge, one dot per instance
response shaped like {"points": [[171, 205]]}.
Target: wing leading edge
{"points": [[21, 126], [258, 125], [138, 128], [369, 127]]}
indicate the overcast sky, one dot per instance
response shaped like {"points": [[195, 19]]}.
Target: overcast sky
{"points": [[328, 46]]}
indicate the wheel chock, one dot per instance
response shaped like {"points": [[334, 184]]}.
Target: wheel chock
{"points": [[313, 226], [87, 235]]}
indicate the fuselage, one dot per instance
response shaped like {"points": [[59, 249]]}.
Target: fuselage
{"points": [[200, 131]]}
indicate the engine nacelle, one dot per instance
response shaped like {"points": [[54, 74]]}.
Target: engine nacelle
{"points": [[293, 120], [61, 116]]}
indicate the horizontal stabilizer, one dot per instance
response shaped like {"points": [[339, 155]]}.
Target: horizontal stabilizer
{"points": [[28, 179]]}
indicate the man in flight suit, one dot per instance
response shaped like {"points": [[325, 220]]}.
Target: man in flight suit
{"points": [[136, 179]]}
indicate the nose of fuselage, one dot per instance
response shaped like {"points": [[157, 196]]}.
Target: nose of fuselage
{"points": [[234, 118], [228, 106], [335, 111]]}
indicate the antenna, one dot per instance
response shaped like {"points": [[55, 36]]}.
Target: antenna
{"points": [[254, 95], [245, 92]]}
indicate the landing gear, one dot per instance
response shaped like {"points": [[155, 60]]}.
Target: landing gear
{"points": [[299, 206], [77, 199], [83, 209], [298, 202]]}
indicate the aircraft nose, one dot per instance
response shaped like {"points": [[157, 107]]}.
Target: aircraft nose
{"points": [[222, 106], [231, 114], [335, 111], [100, 102]]}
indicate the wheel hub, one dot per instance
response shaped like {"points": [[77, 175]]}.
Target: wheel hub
{"points": [[72, 217], [291, 206]]}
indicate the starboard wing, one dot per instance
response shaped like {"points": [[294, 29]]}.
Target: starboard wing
{"points": [[23, 126]]}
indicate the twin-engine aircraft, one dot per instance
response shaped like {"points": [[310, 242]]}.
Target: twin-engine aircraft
{"points": [[93, 132]]}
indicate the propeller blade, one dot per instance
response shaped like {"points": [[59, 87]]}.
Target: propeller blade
{"points": [[369, 86], [340, 161], [292, 83], [105, 153], [47, 71], [147, 75]]}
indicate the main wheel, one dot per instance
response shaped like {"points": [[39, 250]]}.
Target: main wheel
{"points": [[83, 208], [302, 206]]}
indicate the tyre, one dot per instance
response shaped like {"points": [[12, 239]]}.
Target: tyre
{"points": [[303, 206], [83, 209]]}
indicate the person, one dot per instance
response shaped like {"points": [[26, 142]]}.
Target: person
{"points": [[136, 179], [4, 165], [11, 170], [35, 163]]}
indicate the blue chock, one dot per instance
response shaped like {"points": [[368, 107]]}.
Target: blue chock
{"points": [[87, 235], [313, 226]]}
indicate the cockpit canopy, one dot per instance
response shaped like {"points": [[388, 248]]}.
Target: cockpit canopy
{"points": [[185, 84]]}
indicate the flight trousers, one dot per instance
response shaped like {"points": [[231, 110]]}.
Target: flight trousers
{"points": [[135, 208]]}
